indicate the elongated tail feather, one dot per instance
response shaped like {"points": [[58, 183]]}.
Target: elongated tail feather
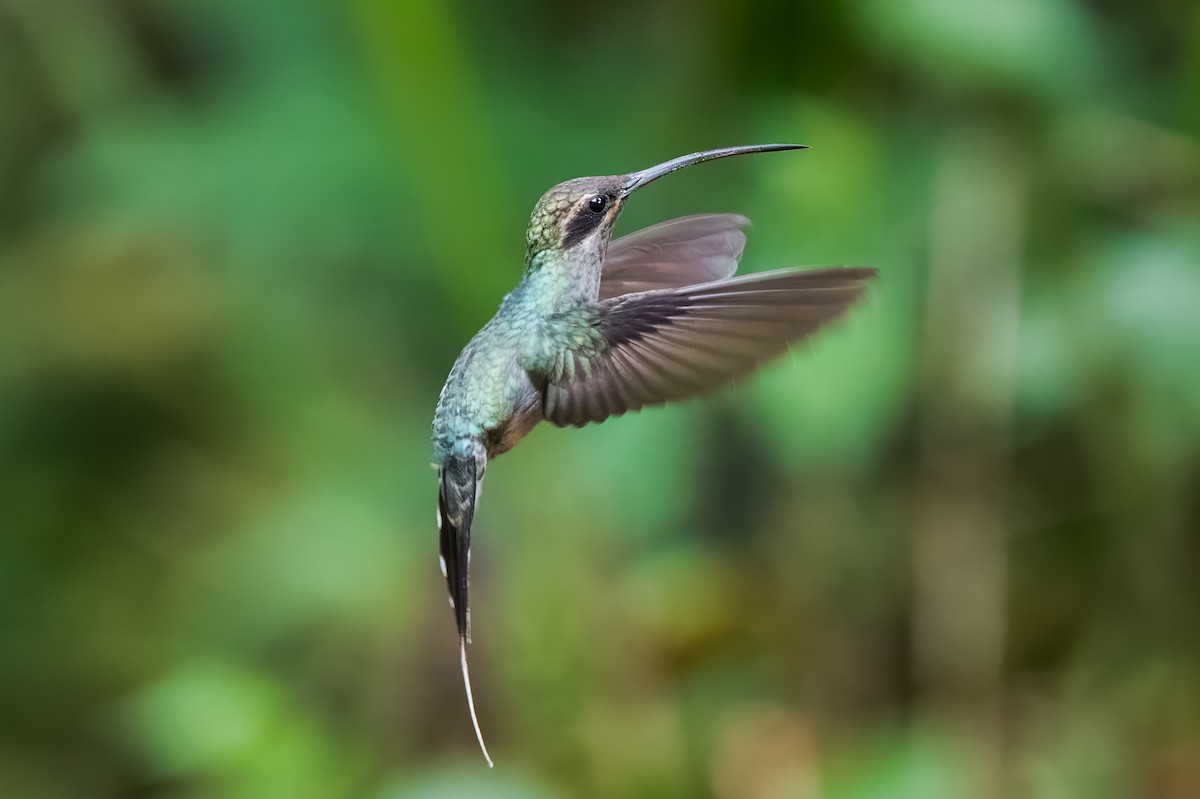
{"points": [[466, 674], [459, 479], [456, 510]]}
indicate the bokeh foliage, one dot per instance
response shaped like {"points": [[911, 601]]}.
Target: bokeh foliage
{"points": [[951, 548]]}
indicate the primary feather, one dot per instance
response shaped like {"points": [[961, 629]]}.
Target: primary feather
{"points": [[678, 252], [670, 344]]}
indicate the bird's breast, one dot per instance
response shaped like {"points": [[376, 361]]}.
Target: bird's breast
{"points": [[488, 395]]}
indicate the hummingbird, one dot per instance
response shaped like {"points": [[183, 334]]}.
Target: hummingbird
{"points": [[596, 328]]}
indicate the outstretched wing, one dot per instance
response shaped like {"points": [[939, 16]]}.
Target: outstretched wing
{"points": [[678, 252], [669, 344]]}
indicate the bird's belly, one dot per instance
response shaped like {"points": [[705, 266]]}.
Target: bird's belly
{"points": [[525, 415]]}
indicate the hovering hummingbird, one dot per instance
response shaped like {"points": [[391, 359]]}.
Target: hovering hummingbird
{"points": [[595, 329]]}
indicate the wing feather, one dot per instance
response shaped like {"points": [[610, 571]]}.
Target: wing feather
{"points": [[672, 343], [679, 252]]}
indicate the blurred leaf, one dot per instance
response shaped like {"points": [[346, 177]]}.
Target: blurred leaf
{"points": [[1045, 47], [466, 781]]}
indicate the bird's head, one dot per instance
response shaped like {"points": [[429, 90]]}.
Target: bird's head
{"points": [[579, 213], [576, 218]]}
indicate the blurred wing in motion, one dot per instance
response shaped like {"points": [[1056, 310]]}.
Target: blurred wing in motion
{"points": [[670, 344], [678, 252]]}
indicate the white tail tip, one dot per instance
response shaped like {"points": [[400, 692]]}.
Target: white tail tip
{"points": [[462, 648]]}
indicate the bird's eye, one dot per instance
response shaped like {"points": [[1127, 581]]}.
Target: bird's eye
{"points": [[598, 203]]}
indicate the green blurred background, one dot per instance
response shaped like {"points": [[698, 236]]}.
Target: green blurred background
{"points": [[949, 549]]}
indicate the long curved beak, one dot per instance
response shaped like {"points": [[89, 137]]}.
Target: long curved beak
{"points": [[638, 179]]}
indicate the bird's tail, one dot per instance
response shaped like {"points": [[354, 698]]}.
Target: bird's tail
{"points": [[459, 479]]}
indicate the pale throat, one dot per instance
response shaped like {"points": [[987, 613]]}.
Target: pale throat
{"points": [[555, 279]]}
